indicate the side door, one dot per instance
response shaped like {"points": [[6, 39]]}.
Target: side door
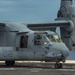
{"points": [[21, 46]]}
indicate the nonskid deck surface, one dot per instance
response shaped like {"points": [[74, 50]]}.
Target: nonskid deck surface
{"points": [[40, 64], [37, 68]]}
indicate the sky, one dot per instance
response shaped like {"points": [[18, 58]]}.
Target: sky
{"points": [[28, 10]]}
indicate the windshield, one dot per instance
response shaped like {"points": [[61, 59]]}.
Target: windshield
{"points": [[41, 39], [54, 38], [51, 38], [45, 40], [57, 38]]}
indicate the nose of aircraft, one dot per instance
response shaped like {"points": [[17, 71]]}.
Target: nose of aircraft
{"points": [[65, 51]]}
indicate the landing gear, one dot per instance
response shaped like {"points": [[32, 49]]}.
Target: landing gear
{"points": [[9, 63], [58, 65]]}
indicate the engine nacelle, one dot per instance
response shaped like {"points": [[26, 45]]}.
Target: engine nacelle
{"points": [[70, 28], [67, 34]]}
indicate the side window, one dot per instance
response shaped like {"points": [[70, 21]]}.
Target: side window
{"points": [[37, 39], [23, 41]]}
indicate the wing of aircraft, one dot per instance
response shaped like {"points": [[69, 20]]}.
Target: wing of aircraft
{"points": [[46, 26], [49, 26]]}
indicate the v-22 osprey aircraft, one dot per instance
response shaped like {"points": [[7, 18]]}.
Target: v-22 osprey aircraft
{"points": [[39, 41]]}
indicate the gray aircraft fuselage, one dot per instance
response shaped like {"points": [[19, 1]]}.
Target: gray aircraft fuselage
{"points": [[11, 45], [18, 41]]}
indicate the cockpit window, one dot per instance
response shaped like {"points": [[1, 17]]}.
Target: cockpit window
{"points": [[51, 38], [44, 39], [57, 38], [54, 38], [37, 39]]}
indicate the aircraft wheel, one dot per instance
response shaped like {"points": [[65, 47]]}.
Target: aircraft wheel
{"points": [[58, 66], [9, 63]]}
